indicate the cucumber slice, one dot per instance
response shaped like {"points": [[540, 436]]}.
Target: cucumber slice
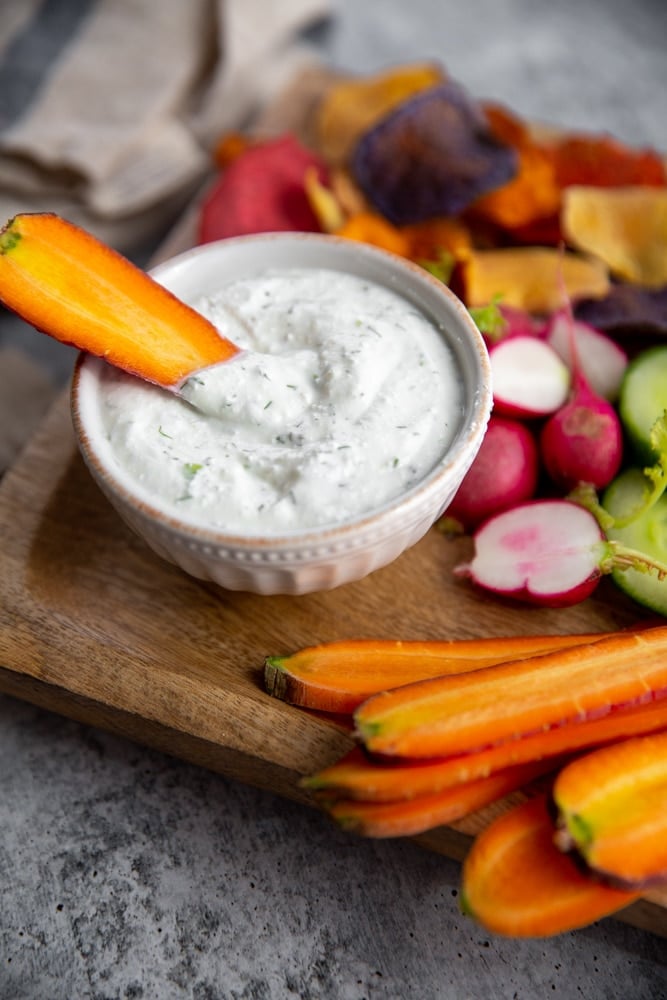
{"points": [[646, 534], [643, 399]]}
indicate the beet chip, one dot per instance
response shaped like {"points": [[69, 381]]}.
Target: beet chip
{"points": [[435, 155], [627, 309], [262, 190]]}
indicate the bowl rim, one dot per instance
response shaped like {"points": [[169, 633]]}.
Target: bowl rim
{"points": [[470, 432]]}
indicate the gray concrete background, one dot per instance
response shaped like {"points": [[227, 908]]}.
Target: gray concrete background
{"points": [[127, 874]]}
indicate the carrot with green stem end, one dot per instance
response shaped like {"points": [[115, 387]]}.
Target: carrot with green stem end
{"points": [[408, 817], [338, 676], [612, 810], [386, 779], [70, 285], [510, 701], [515, 881]]}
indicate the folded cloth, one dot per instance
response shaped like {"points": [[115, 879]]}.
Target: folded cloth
{"points": [[110, 108]]}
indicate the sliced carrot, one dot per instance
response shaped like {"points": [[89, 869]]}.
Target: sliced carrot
{"points": [[338, 676], [408, 817], [68, 284], [612, 807], [468, 712], [516, 882], [356, 776]]}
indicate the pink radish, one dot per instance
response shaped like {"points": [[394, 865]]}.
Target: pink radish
{"points": [[503, 473], [529, 378], [601, 360], [547, 552], [583, 441], [519, 323]]}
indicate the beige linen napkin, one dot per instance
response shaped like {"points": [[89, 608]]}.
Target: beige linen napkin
{"points": [[123, 100], [108, 113]]}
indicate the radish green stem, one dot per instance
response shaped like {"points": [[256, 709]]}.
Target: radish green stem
{"points": [[621, 558], [656, 483]]}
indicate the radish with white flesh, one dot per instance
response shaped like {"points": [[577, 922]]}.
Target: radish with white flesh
{"points": [[583, 441], [529, 378], [547, 552], [601, 360], [503, 473]]}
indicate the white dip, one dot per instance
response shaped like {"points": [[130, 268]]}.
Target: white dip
{"points": [[345, 394]]}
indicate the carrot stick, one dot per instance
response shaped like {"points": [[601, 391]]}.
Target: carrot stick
{"points": [[612, 809], [516, 882], [338, 676], [385, 779], [73, 287], [504, 703], [408, 817]]}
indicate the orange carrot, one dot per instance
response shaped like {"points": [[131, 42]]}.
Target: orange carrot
{"points": [[338, 676], [385, 779], [516, 882], [407, 817], [504, 703], [612, 809], [71, 286]]}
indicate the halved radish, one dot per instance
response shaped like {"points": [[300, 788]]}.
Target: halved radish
{"points": [[548, 552], [529, 378], [601, 360]]}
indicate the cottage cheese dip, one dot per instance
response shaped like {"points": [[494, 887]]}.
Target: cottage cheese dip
{"points": [[343, 396]]}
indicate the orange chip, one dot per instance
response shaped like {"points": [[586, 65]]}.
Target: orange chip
{"points": [[428, 239], [531, 278], [624, 227], [601, 161], [228, 147], [505, 125], [369, 227], [352, 106], [534, 193]]}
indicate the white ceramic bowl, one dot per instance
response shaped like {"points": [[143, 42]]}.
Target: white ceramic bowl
{"points": [[316, 559]]}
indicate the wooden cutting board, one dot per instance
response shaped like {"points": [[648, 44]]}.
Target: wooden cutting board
{"points": [[96, 627]]}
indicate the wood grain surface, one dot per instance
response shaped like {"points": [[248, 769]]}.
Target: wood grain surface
{"points": [[96, 627]]}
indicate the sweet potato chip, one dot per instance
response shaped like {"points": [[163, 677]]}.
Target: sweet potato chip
{"points": [[432, 156], [532, 195], [530, 278], [229, 147], [369, 227], [627, 309], [506, 125], [352, 106], [624, 227], [262, 190], [427, 240], [601, 161]]}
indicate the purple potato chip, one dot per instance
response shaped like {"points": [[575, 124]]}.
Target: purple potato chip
{"points": [[435, 155], [627, 308]]}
